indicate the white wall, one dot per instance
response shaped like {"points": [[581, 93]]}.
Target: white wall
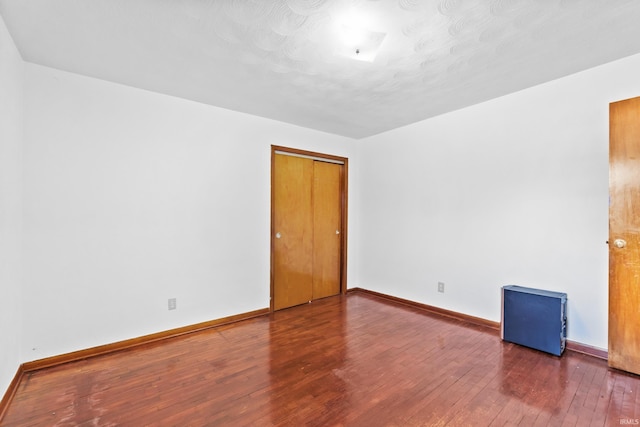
{"points": [[511, 191], [132, 198], [11, 121]]}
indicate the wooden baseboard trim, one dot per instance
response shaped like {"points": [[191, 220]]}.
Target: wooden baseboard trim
{"points": [[587, 349], [432, 309], [11, 391], [134, 342], [571, 345]]}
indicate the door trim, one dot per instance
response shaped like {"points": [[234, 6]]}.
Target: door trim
{"points": [[344, 161], [305, 156]]}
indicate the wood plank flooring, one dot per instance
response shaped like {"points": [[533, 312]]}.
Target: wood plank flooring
{"points": [[352, 360]]}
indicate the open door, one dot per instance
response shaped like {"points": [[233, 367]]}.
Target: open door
{"points": [[624, 235]]}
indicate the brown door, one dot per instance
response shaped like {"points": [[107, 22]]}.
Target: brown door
{"points": [[326, 229], [624, 235], [292, 224], [307, 230]]}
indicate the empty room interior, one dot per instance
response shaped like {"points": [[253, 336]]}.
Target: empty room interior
{"points": [[154, 156]]}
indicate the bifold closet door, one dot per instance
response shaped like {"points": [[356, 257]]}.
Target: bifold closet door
{"points": [[307, 227]]}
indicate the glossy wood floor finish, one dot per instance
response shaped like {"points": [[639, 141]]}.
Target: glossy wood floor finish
{"points": [[350, 360]]}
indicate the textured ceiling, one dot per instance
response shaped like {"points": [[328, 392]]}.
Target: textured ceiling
{"points": [[283, 59]]}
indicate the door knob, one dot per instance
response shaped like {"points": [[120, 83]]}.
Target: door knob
{"points": [[278, 235], [337, 231], [620, 243]]}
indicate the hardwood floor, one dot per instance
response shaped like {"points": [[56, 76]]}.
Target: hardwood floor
{"points": [[352, 360]]}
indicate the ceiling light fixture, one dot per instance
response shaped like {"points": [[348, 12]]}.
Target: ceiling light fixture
{"points": [[354, 35]]}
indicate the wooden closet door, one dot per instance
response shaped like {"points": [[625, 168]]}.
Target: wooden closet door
{"points": [[624, 235], [293, 228], [307, 241], [327, 228]]}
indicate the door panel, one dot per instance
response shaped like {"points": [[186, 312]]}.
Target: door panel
{"points": [[293, 223], [327, 229], [624, 235]]}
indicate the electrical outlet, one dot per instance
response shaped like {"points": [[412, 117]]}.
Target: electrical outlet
{"points": [[441, 287], [172, 304]]}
